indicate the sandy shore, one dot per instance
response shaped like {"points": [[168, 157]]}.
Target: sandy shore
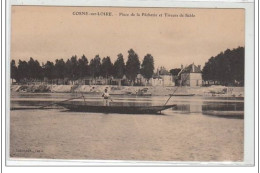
{"points": [[221, 91], [54, 134]]}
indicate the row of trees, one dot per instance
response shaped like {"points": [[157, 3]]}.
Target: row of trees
{"points": [[75, 68], [226, 68]]}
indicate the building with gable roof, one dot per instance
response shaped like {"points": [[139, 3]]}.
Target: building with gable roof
{"points": [[191, 76], [162, 77]]}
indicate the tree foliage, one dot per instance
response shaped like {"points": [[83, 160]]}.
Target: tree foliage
{"points": [[95, 66], [106, 67], [60, 69], [48, 70], [132, 65], [75, 68], [23, 70], [119, 67], [227, 68], [147, 67], [175, 71], [14, 71], [83, 67]]}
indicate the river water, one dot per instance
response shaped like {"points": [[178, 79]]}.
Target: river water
{"points": [[198, 129], [185, 104]]}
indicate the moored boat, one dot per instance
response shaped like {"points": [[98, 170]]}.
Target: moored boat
{"points": [[182, 94]]}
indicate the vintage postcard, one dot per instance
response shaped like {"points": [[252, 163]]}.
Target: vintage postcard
{"points": [[120, 83]]}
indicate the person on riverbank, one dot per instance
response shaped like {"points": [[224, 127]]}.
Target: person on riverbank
{"points": [[106, 96]]}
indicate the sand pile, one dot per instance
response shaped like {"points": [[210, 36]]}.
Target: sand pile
{"points": [[60, 88], [15, 88], [154, 90], [30, 88]]}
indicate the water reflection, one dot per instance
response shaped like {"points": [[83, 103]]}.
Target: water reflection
{"points": [[219, 109], [229, 107], [206, 106], [226, 106], [188, 108]]}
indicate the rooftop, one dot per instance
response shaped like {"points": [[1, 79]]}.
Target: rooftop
{"points": [[192, 68]]}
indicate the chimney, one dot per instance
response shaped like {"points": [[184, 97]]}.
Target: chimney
{"points": [[181, 66], [193, 67]]}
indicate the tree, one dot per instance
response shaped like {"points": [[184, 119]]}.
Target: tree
{"points": [[68, 67], [74, 67], [23, 70], [14, 71], [132, 66], [227, 68], [72, 71], [83, 66], [175, 71], [106, 67], [119, 67], [60, 69], [48, 70], [34, 69], [238, 64], [95, 66], [147, 67], [206, 72]]}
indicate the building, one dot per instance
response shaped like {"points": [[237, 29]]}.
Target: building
{"points": [[162, 78], [190, 76], [101, 81]]}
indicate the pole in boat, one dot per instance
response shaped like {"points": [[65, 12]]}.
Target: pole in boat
{"points": [[174, 91], [59, 102], [83, 98], [170, 96]]}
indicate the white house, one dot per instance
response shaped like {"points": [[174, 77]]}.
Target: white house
{"points": [[162, 78], [191, 75]]}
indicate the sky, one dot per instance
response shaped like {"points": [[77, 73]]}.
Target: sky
{"points": [[49, 33]]}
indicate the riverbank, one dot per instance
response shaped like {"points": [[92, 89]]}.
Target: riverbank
{"points": [[132, 90]]}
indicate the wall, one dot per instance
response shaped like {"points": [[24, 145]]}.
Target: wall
{"points": [[195, 79], [167, 80], [185, 79], [164, 80]]}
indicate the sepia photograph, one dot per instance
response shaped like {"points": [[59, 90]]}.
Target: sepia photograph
{"points": [[127, 83]]}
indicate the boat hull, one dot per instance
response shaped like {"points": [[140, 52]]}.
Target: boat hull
{"points": [[116, 109]]}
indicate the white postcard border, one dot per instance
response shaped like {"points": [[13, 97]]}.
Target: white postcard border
{"points": [[249, 120]]}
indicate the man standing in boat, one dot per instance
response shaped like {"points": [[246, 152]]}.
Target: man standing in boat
{"points": [[106, 96]]}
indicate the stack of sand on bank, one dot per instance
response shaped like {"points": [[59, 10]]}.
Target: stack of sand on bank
{"points": [[126, 90]]}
